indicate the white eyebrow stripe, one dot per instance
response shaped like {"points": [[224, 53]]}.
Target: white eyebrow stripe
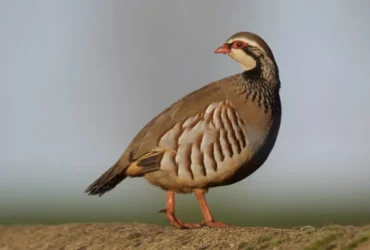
{"points": [[252, 43]]}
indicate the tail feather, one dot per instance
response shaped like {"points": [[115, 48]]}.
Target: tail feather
{"points": [[145, 164], [106, 182]]}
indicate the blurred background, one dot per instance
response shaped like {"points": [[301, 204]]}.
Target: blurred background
{"points": [[79, 79]]}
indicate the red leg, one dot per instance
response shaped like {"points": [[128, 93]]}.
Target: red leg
{"points": [[170, 213], [208, 219]]}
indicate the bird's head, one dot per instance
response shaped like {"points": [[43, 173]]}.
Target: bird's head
{"points": [[247, 49]]}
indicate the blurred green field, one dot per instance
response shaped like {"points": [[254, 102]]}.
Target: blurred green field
{"points": [[228, 204], [280, 219]]}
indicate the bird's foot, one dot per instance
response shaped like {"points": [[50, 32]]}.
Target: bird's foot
{"points": [[215, 224], [182, 225], [178, 223], [191, 225]]}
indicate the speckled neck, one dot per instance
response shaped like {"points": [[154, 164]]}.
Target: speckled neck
{"points": [[262, 85]]}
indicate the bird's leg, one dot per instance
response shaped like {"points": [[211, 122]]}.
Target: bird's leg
{"points": [[170, 210], [208, 219], [170, 213]]}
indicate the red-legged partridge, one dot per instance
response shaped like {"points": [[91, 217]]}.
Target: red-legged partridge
{"points": [[214, 136]]}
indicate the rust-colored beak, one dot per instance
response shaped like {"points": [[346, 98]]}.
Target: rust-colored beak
{"points": [[223, 49]]}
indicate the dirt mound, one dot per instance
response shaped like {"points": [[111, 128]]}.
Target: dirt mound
{"points": [[141, 236]]}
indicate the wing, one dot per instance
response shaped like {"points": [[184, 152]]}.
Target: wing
{"points": [[147, 140]]}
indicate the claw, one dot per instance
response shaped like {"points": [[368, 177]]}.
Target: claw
{"points": [[163, 210]]}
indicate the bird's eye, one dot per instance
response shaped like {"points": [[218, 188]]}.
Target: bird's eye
{"points": [[239, 44]]}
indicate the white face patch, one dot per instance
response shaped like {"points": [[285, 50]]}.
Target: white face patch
{"points": [[246, 61]]}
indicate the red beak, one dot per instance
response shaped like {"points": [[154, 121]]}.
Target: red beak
{"points": [[223, 49]]}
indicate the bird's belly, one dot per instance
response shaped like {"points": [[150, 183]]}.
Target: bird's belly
{"points": [[260, 155]]}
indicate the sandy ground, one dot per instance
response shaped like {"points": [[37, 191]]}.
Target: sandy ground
{"points": [[142, 236]]}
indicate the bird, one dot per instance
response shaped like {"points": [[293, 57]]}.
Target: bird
{"points": [[214, 136]]}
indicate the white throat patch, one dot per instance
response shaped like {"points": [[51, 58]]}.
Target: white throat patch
{"points": [[246, 61]]}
